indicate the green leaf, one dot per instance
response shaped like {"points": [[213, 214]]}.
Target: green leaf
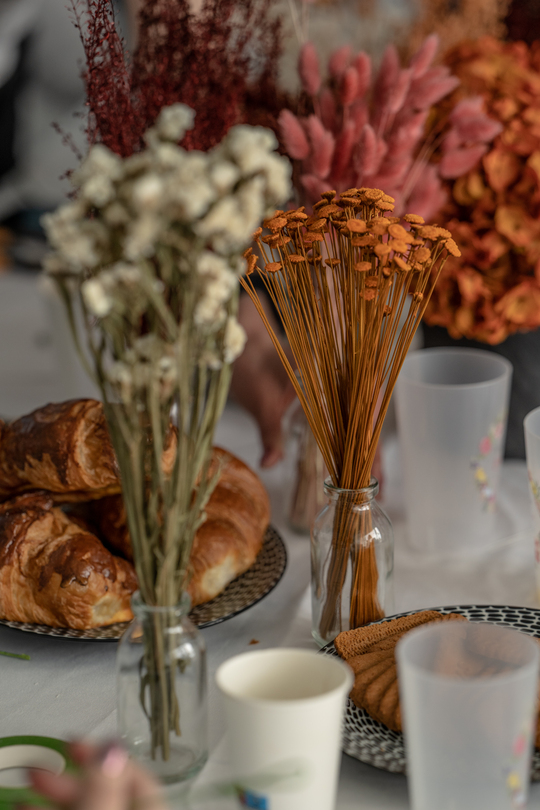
{"points": [[15, 655]]}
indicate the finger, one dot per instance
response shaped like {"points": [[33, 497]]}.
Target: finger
{"points": [[60, 788], [272, 439], [108, 784], [83, 753]]}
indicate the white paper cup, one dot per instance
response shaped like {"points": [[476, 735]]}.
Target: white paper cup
{"points": [[531, 425], [468, 735], [284, 712], [452, 407]]}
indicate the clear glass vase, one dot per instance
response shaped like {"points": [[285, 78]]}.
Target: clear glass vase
{"points": [[352, 561], [162, 699], [310, 472]]}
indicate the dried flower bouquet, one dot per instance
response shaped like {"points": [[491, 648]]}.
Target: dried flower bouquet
{"points": [[341, 280], [150, 249]]}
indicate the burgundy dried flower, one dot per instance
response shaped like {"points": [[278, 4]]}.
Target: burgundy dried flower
{"points": [[222, 62]]}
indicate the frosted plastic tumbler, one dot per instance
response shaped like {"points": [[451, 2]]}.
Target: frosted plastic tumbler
{"points": [[284, 711], [452, 407], [468, 702], [531, 425]]}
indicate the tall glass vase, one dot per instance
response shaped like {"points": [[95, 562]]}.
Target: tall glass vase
{"points": [[352, 561], [162, 700]]}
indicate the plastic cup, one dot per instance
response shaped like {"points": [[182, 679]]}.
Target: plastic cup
{"points": [[531, 425], [452, 407], [284, 712], [468, 702]]}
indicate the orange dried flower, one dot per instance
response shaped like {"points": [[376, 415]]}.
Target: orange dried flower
{"points": [[493, 290]]}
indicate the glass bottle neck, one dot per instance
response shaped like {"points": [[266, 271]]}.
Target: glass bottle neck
{"points": [[357, 496]]}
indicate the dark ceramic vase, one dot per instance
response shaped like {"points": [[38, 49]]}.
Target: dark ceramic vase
{"points": [[523, 351]]}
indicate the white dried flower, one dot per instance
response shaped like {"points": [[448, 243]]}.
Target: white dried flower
{"points": [[128, 274], [98, 190], [210, 264], [99, 161], [224, 175], [174, 121], [141, 237], [209, 313], [147, 192], [96, 298], [211, 360], [116, 214], [168, 155], [190, 187], [278, 179], [234, 340], [249, 146]]}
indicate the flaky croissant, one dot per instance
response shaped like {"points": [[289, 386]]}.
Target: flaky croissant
{"points": [[63, 448], [226, 544], [53, 572]]}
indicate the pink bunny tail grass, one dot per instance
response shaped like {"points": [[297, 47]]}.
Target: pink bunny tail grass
{"points": [[384, 83], [459, 161], [399, 92], [293, 136], [424, 56], [342, 153], [313, 186], [362, 63], [359, 115], [339, 61], [349, 86], [388, 73], [328, 107], [427, 197], [431, 88], [366, 154], [308, 68], [322, 147], [391, 175]]}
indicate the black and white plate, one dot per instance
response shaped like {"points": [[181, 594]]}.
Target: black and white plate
{"points": [[372, 742], [239, 595]]}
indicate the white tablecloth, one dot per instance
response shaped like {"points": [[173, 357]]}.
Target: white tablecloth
{"points": [[67, 689]]}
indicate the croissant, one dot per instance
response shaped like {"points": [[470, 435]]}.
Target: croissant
{"points": [[54, 572], [63, 448], [228, 541]]}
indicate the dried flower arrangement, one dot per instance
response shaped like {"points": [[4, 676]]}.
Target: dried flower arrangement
{"points": [[494, 290], [220, 61], [455, 21], [341, 280], [150, 249], [360, 130]]}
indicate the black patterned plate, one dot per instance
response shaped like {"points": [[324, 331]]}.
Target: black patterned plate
{"points": [[372, 742], [239, 595]]}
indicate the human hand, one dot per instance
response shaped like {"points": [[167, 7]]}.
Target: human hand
{"points": [[260, 383], [108, 780]]}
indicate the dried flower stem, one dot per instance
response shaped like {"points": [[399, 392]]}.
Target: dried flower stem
{"points": [[340, 280]]}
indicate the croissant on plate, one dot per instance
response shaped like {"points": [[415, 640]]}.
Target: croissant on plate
{"points": [[228, 541], [54, 572], [63, 448]]}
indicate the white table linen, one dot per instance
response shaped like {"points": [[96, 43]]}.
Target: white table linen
{"points": [[68, 687]]}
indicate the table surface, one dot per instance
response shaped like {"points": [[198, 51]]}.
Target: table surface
{"points": [[67, 689]]}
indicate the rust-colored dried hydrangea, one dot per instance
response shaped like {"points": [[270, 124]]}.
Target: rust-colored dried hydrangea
{"points": [[494, 289]]}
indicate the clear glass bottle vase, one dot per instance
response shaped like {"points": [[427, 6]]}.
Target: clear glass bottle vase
{"points": [[162, 691], [352, 561]]}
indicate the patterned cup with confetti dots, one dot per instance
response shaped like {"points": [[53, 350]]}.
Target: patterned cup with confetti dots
{"points": [[452, 407], [531, 425]]}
